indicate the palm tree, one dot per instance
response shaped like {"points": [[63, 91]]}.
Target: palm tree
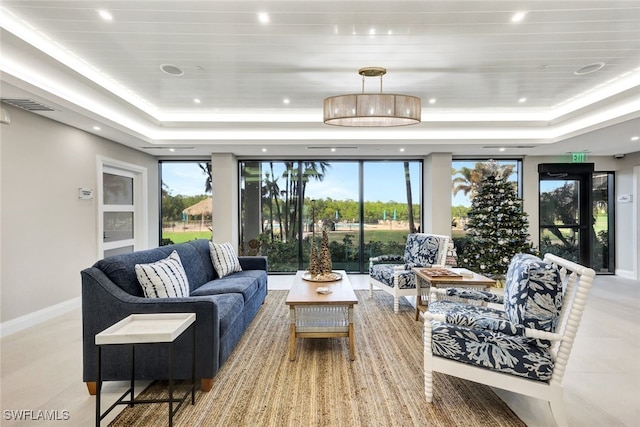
{"points": [[295, 189], [407, 178], [274, 192], [206, 169], [469, 182]]}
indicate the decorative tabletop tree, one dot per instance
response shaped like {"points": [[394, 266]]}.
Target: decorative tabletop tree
{"points": [[497, 227], [320, 265], [324, 259]]}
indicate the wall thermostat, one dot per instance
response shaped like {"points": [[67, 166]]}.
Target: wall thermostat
{"points": [[85, 193]]}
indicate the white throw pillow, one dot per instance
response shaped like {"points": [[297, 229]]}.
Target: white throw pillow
{"points": [[224, 259], [163, 279]]}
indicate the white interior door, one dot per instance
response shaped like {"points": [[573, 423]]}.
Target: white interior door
{"points": [[121, 208]]}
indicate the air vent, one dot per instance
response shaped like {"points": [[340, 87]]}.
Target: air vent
{"points": [[169, 148], [509, 146], [171, 69], [26, 104], [339, 147]]}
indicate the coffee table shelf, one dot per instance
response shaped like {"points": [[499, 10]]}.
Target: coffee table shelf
{"points": [[316, 315]]}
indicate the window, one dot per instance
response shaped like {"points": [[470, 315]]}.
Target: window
{"points": [[465, 178], [366, 207], [186, 201]]}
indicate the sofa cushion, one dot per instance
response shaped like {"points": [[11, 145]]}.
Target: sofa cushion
{"points": [[120, 269], [384, 273], [230, 308], [512, 354], [243, 282], [202, 248], [191, 261], [163, 279], [533, 293], [224, 259]]}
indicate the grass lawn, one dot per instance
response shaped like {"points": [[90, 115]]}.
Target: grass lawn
{"points": [[186, 236]]}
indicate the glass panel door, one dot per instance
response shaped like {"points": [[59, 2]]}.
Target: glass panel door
{"points": [[603, 222], [118, 211], [331, 203], [186, 203], [285, 205], [391, 206], [560, 222]]}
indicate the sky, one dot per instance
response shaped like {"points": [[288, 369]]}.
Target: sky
{"points": [[384, 181]]}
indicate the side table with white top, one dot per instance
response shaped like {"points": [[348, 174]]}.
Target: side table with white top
{"points": [[153, 328]]}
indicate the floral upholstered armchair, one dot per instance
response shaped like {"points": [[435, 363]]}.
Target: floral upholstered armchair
{"points": [[524, 347], [392, 273]]}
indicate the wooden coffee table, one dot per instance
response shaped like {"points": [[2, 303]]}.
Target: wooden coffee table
{"points": [[466, 278], [315, 315]]}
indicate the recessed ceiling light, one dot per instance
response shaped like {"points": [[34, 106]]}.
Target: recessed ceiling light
{"points": [[372, 32], [333, 150], [105, 15], [501, 149], [589, 68], [264, 150], [635, 138], [402, 150], [518, 16], [390, 32], [432, 101], [521, 100], [263, 17], [97, 128], [172, 150], [286, 101], [196, 100]]}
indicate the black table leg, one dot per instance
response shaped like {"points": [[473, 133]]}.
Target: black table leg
{"points": [[98, 386]]}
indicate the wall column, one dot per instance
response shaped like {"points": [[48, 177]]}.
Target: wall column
{"points": [[224, 188], [437, 194]]}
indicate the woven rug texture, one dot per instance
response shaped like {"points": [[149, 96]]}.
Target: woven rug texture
{"points": [[259, 386]]}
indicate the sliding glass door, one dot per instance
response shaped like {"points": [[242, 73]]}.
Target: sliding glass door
{"points": [[367, 208]]}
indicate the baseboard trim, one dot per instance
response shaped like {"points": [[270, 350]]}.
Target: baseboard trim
{"points": [[32, 319], [627, 274]]}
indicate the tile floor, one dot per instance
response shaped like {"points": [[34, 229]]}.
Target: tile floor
{"points": [[41, 368]]}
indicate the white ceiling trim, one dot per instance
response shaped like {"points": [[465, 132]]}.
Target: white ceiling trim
{"points": [[24, 31]]}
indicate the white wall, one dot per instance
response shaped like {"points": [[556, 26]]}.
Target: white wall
{"points": [[628, 217], [48, 234]]}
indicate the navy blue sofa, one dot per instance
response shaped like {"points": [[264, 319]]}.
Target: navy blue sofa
{"points": [[224, 308]]}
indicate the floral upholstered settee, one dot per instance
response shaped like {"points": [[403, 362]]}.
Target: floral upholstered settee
{"points": [[392, 273], [523, 348], [496, 339]]}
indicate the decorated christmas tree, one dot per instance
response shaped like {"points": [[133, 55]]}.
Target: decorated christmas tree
{"points": [[497, 227], [324, 260]]}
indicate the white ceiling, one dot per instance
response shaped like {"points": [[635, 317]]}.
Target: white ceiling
{"points": [[466, 55]]}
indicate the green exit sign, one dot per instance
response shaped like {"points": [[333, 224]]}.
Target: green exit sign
{"points": [[580, 157]]}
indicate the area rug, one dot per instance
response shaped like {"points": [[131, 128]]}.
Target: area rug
{"points": [[259, 386]]}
